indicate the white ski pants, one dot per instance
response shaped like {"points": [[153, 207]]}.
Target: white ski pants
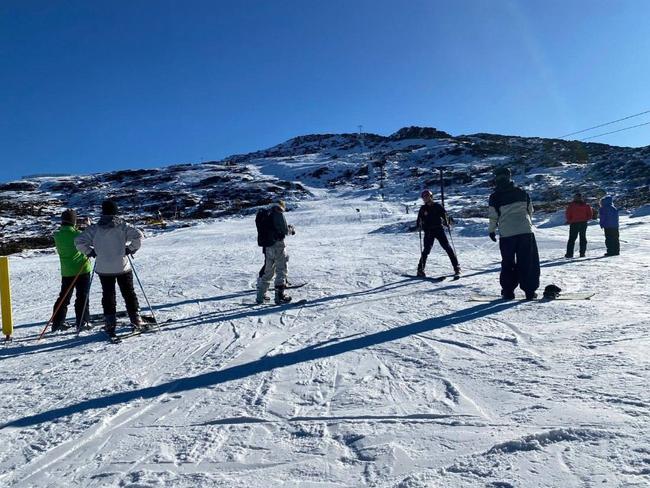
{"points": [[275, 264]]}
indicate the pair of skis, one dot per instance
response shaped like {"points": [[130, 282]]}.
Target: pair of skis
{"points": [[149, 325]]}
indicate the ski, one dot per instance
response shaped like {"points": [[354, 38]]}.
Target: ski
{"points": [[563, 296], [112, 338], [137, 332], [99, 318]]}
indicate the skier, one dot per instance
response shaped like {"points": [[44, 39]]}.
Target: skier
{"points": [[110, 241], [75, 273], [608, 214], [431, 218], [275, 262], [510, 209], [578, 214]]}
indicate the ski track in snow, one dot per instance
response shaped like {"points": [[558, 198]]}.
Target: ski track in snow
{"points": [[377, 380]]}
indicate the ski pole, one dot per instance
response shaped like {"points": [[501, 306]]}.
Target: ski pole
{"points": [[452, 240], [83, 313], [420, 232], [58, 305], [143, 292]]}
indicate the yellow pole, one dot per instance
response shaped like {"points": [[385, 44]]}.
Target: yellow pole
{"points": [[5, 298]]}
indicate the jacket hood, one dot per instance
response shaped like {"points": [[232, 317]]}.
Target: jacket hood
{"points": [[504, 185], [108, 221], [607, 201]]}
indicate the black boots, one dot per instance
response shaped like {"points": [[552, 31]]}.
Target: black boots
{"points": [[421, 264], [280, 297]]}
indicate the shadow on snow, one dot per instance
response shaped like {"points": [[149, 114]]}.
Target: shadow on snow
{"points": [[265, 364]]}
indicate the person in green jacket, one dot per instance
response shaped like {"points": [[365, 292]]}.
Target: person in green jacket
{"points": [[75, 273]]}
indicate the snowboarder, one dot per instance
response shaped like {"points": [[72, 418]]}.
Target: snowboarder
{"points": [[608, 214], [431, 218], [75, 273], [110, 241], [578, 214], [276, 258], [510, 210]]}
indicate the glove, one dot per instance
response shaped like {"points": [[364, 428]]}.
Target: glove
{"points": [[91, 254], [292, 230], [128, 252], [493, 236]]}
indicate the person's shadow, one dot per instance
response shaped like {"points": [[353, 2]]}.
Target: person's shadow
{"points": [[269, 363]]}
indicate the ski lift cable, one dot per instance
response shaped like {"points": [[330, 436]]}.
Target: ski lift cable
{"points": [[603, 125], [614, 131]]}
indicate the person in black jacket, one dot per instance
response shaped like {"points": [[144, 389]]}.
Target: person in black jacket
{"points": [[432, 218], [276, 257]]}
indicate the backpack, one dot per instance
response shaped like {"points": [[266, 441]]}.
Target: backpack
{"points": [[264, 224]]}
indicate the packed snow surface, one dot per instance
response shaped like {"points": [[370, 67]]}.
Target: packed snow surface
{"points": [[377, 379]]}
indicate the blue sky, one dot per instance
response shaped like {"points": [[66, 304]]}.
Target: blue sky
{"points": [[88, 86]]}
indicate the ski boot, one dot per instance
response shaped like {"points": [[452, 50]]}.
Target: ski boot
{"points": [[280, 297], [507, 295], [83, 326], [421, 264], [262, 296], [138, 324], [457, 270], [110, 323], [56, 327]]}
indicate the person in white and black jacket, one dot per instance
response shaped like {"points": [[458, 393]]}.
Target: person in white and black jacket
{"points": [[510, 211], [110, 241]]}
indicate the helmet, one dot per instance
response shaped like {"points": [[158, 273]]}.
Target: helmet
{"points": [[426, 193]]}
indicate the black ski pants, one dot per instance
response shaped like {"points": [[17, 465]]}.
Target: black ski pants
{"points": [[125, 282], [519, 263], [65, 295], [430, 236], [575, 230], [612, 242]]}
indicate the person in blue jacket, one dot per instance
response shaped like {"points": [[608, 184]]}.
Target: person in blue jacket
{"points": [[608, 214]]}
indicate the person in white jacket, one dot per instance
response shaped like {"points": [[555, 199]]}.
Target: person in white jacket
{"points": [[110, 241]]}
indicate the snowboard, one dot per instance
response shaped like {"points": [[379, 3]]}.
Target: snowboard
{"points": [[273, 304], [563, 296], [293, 286], [433, 279]]}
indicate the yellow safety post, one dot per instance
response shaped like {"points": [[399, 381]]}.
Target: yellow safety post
{"points": [[5, 298]]}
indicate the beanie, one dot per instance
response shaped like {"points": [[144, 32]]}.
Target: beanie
{"points": [[502, 174], [69, 217], [109, 207]]}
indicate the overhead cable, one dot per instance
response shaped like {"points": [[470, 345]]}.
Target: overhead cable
{"points": [[603, 125], [614, 131]]}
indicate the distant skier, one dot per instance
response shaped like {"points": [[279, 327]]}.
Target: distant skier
{"points": [[75, 274], [110, 241], [510, 210], [578, 214], [432, 218], [608, 214], [274, 230]]}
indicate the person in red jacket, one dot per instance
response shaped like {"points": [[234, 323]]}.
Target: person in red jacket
{"points": [[578, 214]]}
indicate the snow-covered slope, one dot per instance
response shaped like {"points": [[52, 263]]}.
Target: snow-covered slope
{"points": [[377, 380], [399, 166]]}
